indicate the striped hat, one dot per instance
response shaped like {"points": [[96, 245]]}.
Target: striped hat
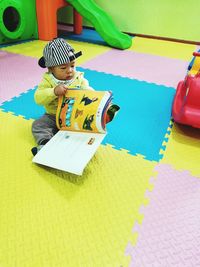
{"points": [[57, 52]]}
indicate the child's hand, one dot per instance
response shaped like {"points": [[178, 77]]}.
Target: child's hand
{"points": [[60, 90]]}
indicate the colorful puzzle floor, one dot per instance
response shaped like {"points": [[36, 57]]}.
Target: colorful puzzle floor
{"points": [[137, 203]]}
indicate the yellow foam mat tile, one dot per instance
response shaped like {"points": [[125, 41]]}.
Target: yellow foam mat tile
{"points": [[163, 48], [182, 149], [51, 218], [35, 49], [32, 48]]}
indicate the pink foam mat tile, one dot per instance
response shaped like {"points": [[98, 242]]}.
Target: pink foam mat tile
{"points": [[198, 47], [170, 232], [150, 68], [17, 74]]}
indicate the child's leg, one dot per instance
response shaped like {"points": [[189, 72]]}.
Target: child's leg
{"points": [[44, 128]]}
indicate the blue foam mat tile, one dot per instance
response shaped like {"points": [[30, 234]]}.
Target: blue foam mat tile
{"points": [[87, 35], [24, 105], [142, 122]]}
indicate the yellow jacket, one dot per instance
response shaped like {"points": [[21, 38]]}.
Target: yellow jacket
{"points": [[45, 96]]}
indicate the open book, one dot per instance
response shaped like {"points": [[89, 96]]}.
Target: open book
{"points": [[81, 118], [83, 110]]}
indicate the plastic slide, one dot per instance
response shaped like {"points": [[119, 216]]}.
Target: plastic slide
{"points": [[102, 23]]}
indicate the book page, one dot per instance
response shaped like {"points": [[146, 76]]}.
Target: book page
{"points": [[83, 110], [69, 151]]}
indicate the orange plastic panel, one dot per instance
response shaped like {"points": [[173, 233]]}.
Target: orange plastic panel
{"points": [[47, 18]]}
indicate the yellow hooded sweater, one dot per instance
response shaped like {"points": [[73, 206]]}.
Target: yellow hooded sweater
{"points": [[45, 96]]}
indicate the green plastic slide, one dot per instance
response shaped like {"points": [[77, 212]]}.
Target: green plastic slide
{"points": [[102, 23]]}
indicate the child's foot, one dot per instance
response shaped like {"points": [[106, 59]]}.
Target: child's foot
{"points": [[36, 149], [111, 112]]}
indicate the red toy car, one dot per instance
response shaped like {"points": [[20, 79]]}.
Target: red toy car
{"points": [[186, 105]]}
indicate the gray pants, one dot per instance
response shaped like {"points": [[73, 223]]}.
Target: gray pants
{"points": [[44, 128]]}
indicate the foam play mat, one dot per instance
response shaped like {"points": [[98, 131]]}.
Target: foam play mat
{"points": [[137, 202]]}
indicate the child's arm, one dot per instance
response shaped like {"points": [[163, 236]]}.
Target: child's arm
{"points": [[44, 93], [47, 91], [60, 89]]}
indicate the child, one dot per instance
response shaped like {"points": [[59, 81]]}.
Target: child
{"points": [[59, 57]]}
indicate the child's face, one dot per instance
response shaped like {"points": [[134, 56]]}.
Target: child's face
{"points": [[64, 72]]}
